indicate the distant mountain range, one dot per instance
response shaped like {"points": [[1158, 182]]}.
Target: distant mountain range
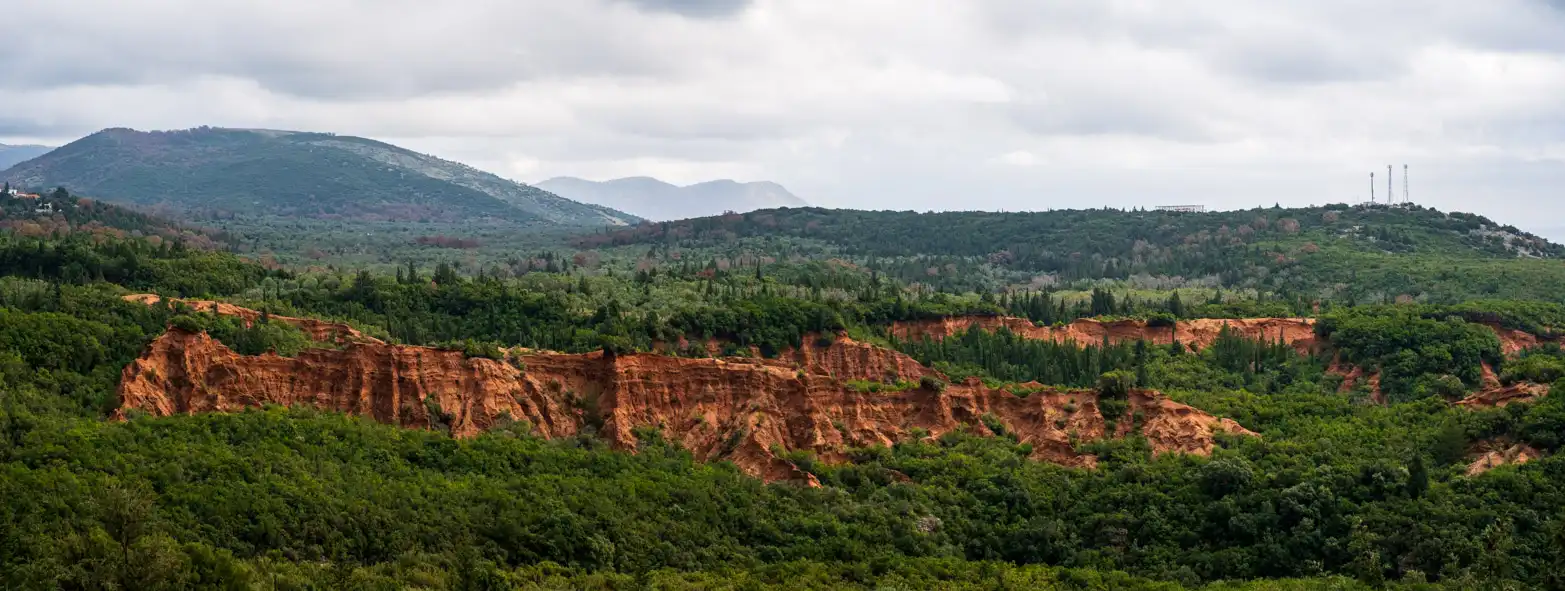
{"points": [[10, 155], [657, 200], [253, 172]]}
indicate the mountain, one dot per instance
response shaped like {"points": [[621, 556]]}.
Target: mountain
{"points": [[10, 155], [248, 172], [657, 200]]}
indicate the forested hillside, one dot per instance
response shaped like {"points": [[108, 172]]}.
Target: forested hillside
{"points": [[1350, 484], [1341, 253]]}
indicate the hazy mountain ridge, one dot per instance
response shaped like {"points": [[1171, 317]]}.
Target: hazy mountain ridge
{"points": [[12, 155], [297, 174], [658, 200]]}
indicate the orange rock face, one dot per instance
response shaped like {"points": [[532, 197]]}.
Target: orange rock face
{"points": [[1502, 456], [743, 410], [1513, 341], [1199, 333]]}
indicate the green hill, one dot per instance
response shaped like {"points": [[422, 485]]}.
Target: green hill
{"points": [[217, 173], [1335, 252], [58, 213]]}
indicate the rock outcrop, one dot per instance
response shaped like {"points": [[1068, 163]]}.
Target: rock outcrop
{"points": [[1199, 333], [1496, 456], [1513, 341], [738, 409], [1499, 397]]}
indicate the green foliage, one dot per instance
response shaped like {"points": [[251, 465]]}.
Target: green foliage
{"points": [[249, 338], [1116, 384], [1231, 362], [1347, 254], [296, 498], [873, 387], [471, 348], [1405, 346], [1543, 365]]}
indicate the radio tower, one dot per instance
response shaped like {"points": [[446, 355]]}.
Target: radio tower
{"points": [[1389, 195], [1372, 188], [1405, 196]]}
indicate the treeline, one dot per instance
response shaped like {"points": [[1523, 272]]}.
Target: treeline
{"points": [[169, 267], [1340, 253], [485, 308], [1230, 362]]}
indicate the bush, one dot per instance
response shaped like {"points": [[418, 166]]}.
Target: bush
{"points": [[187, 323], [473, 348], [1160, 319], [1113, 408], [1534, 367], [932, 384], [1116, 384]]}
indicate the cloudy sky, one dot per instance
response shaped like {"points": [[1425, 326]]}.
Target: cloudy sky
{"points": [[899, 104]]}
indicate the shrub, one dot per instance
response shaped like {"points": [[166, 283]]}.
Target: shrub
{"points": [[1537, 368], [1160, 319], [932, 384], [1116, 384], [187, 323], [1112, 408]]}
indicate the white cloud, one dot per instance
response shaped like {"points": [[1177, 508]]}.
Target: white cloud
{"points": [[1018, 158], [905, 104]]}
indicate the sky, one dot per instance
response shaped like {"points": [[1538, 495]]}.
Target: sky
{"points": [[878, 104]]}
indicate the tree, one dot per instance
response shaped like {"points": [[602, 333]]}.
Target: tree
{"points": [[1417, 477], [1175, 306], [126, 514]]}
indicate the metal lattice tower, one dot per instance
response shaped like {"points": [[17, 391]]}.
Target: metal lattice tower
{"points": [[1372, 188], [1390, 197]]}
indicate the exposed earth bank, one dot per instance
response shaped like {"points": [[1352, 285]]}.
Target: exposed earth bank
{"points": [[749, 411]]}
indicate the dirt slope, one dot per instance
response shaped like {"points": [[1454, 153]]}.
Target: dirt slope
{"points": [[1513, 341], [1500, 455], [1199, 333], [735, 409]]}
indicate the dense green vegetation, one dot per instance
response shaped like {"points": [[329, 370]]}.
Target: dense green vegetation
{"points": [[1349, 254], [1232, 362], [1337, 493]]}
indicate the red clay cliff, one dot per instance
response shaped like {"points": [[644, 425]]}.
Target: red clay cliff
{"points": [[743, 410]]}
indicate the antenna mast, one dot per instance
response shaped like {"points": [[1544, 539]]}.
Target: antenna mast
{"points": [[1406, 198], [1389, 196], [1372, 188]]}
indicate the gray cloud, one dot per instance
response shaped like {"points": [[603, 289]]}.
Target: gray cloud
{"points": [[346, 49], [695, 8], [921, 104]]}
